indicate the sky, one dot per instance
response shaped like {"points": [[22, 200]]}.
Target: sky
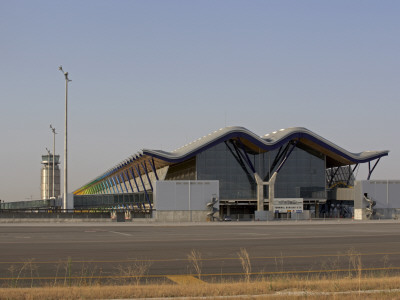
{"points": [[159, 74]]}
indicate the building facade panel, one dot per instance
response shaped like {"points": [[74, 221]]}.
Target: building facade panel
{"points": [[302, 176], [222, 163]]}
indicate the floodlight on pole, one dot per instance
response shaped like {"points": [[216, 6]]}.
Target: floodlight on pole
{"points": [[64, 205], [54, 151]]}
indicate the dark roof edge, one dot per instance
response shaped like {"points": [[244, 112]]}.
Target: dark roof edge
{"points": [[268, 142]]}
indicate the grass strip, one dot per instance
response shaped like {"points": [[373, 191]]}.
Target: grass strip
{"points": [[273, 288]]}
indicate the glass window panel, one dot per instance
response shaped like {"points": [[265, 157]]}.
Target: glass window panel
{"points": [[303, 174]]}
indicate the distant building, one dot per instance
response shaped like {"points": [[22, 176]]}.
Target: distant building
{"points": [[46, 183]]}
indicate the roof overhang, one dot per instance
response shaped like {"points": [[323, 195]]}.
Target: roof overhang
{"points": [[148, 159], [336, 155]]}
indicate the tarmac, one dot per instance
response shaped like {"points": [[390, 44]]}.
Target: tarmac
{"points": [[150, 222], [163, 250]]}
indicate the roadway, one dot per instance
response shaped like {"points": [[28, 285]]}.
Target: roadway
{"points": [[55, 252]]}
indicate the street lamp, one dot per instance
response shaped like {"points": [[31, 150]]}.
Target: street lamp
{"points": [[54, 151], [48, 173], [64, 205]]}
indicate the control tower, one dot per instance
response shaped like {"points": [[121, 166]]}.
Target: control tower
{"points": [[46, 183]]}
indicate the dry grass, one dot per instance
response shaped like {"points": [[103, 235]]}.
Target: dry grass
{"points": [[245, 262], [195, 259], [83, 284], [133, 272], [266, 288]]}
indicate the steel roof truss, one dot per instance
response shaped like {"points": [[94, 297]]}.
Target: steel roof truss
{"points": [[286, 157], [104, 186], [371, 170], [134, 179], [333, 176], [120, 184], [123, 180], [116, 186], [145, 192], [277, 159], [153, 166], [110, 184], [127, 178], [144, 166], [246, 156], [351, 172], [240, 162]]}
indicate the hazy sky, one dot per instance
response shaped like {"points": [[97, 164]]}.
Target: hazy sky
{"points": [[159, 74]]}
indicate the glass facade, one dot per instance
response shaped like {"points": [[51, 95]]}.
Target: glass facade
{"points": [[47, 158], [340, 177], [31, 204], [221, 162], [302, 176], [112, 200], [137, 200], [182, 171]]}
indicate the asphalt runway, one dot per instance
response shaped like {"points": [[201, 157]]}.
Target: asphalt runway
{"points": [[121, 251]]}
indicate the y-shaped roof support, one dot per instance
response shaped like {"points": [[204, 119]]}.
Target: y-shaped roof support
{"points": [[371, 170], [270, 183]]}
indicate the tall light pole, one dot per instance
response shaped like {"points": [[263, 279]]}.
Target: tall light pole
{"points": [[48, 173], [64, 205], [54, 151]]}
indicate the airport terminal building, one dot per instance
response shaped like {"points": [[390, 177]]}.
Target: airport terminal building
{"points": [[234, 172]]}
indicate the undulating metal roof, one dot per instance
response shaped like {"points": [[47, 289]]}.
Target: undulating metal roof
{"points": [[306, 139], [267, 142]]}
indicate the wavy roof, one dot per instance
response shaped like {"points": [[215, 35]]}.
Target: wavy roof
{"points": [[267, 142], [306, 139]]}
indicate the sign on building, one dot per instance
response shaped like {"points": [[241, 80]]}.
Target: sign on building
{"points": [[288, 205]]}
